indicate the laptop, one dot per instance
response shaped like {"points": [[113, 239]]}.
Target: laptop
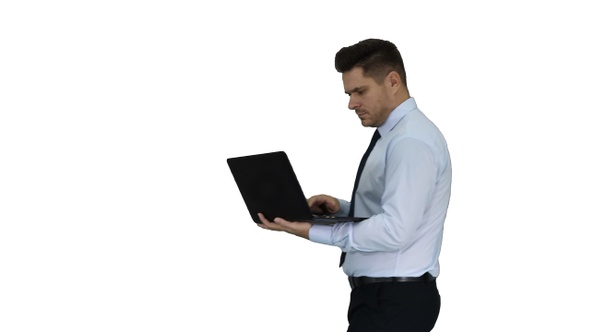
{"points": [[269, 186]]}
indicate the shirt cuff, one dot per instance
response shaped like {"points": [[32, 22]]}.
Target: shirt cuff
{"points": [[321, 234], [344, 208]]}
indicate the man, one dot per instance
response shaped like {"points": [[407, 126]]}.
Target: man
{"points": [[403, 187]]}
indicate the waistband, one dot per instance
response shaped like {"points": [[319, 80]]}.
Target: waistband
{"points": [[361, 281]]}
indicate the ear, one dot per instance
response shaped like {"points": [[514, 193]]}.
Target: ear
{"points": [[393, 81]]}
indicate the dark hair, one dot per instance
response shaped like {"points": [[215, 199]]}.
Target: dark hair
{"points": [[376, 57]]}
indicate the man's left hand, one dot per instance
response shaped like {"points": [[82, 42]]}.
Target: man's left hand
{"points": [[299, 228]]}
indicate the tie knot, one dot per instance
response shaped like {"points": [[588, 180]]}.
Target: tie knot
{"points": [[376, 135], [374, 139]]}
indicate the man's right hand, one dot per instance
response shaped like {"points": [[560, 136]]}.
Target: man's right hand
{"points": [[323, 204]]}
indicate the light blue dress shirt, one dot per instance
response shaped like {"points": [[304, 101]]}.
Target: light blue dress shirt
{"points": [[404, 189]]}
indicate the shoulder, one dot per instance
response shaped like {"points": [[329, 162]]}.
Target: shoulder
{"points": [[414, 125], [415, 132]]}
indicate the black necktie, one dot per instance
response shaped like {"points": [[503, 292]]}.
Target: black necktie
{"points": [[374, 140]]}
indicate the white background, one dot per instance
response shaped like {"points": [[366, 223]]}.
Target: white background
{"points": [[118, 211]]}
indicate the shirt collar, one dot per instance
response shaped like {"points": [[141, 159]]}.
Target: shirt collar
{"points": [[396, 115]]}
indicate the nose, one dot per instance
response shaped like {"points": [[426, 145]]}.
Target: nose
{"points": [[353, 103]]}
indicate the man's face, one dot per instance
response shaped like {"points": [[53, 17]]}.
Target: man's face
{"points": [[371, 101]]}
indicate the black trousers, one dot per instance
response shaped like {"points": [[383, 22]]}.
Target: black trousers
{"points": [[393, 307]]}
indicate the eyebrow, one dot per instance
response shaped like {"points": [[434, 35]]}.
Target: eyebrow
{"points": [[357, 89]]}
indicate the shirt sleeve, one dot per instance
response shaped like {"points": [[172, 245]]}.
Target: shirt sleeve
{"points": [[410, 180], [335, 235], [344, 208], [332, 234]]}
